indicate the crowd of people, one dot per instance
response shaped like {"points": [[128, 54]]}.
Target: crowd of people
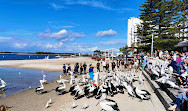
{"points": [[179, 62]]}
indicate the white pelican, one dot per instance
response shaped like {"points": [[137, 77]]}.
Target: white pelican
{"points": [[40, 88], [142, 94], [3, 85], [78, 92], [107, 104], [129, 88], [61, 88]]}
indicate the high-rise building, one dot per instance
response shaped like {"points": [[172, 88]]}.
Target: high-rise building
{"points": [[132, 28]]}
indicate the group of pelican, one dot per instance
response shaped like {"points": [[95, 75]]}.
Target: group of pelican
{"points": [[103, 85], [163, 73], [109, 85]]}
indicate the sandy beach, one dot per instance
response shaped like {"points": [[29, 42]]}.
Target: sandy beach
{"points": [[52, 65], [30, 101]]}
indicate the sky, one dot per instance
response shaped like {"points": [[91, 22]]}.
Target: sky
{"points": [[65, 26]]}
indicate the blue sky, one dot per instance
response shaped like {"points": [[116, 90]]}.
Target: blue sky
{"points": [[65, 25]]}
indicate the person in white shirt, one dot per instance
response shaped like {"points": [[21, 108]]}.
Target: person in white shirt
{"points": [[160, 54], [136, 65], [104, 65], [174, 56]]}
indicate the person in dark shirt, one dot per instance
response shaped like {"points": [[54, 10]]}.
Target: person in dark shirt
{"points": [[173, 64], [107, 66], [81, 68], [76, 67], [69, 67], [113, 65], [85, 66], [98, 67], [118, 64], [64, 69]]}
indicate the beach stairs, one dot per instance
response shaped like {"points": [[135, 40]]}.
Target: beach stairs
{"points": [[166, 95]]}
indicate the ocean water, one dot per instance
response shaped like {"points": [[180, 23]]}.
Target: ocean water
{"points": [[27, 56], [22, 79]]}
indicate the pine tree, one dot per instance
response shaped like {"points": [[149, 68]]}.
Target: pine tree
{"points": [[166, 20]]}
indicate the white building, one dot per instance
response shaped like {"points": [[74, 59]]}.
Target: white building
{"points": [[132, 28]]}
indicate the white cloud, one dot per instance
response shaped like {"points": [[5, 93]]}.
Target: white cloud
{"points": [[2, 39], [92, 3], [107, 33], [20, 45], [53, 46], [62, 35], [56, 6]]}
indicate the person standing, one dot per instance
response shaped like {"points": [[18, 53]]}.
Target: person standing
{"points": [[107, 66], [85, 66], [118, 64], [136, 65], [81, 68], [64, 69], [122, 64], [67, 66], [104, 65], [76, 68], [98, 67], [113, 65], [91, 72]]}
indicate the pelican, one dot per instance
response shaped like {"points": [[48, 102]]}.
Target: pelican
{"points": [[107, 104], [72, 79], [142, 94], [40, 88], [43, 79], [3, 85], [129, 88], [78, 93], [61, 88], [60, 79]]}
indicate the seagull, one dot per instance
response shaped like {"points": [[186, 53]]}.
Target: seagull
{"points": [[50, 101], [47, 105], [85, 106], [73, 106]]}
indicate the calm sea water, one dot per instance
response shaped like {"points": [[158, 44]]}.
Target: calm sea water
{"points": [[26, 56], [27, 78]]}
